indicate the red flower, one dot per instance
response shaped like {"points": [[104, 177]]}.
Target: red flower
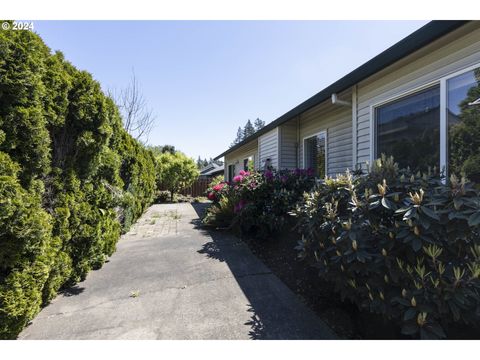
{"points": [[211, 196]]}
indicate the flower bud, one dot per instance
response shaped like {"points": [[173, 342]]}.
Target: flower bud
{"points": [[416, 230], [339, 253], [391, 235], [404, 293], [413, 301], [381, 295], [384, 252], [385, 278], [421, 319], [354, 245]]}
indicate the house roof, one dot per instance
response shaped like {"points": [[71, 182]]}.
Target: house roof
{"points": [[211, 169], [413, 42]]}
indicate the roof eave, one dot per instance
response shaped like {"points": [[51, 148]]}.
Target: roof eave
{"points": [[408, 45]]}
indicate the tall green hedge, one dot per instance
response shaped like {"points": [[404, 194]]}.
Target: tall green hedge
{"points": [[71, 178]]}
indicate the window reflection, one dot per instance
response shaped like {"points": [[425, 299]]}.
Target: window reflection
{"points": [[463, 118], [409, 129], [315, 154]]}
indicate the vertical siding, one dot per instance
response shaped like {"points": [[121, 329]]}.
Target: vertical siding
{"points": [[337, 122], [268, 148], [288, 145], [455, 51], [236, 158]]}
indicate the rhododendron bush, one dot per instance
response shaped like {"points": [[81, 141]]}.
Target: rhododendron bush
{"points": [[257, 203], [401, 244]]}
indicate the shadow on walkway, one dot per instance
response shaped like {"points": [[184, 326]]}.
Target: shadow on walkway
{"points": [[276, 313]]}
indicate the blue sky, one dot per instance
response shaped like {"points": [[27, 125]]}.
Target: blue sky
{"points": [[203, 79]]}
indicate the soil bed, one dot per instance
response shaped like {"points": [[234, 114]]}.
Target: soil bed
{"points": [[344, 318]]}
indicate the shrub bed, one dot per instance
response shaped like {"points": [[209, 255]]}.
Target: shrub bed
{"points": [[71, 179], [257, 204], [398, 244]]}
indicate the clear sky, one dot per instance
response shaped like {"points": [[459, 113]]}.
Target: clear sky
{"points": [[203, 79]]}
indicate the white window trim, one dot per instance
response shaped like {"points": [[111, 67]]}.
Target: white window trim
{"points": [[397, 96], [442, 81], [324, 133]]}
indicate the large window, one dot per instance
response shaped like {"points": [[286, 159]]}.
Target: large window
{"points": [[463, 120], [315, 154], [409, 129]]}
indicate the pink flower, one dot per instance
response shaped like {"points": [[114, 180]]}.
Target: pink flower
{"points": [[238, 178], [219, 187]]}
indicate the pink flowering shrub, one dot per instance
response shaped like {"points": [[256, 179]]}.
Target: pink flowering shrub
{"points": [[260, 202]]}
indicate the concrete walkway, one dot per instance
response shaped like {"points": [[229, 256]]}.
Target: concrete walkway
{"points": [[170, 280]]}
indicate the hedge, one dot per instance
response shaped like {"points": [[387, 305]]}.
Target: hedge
{"points": [[71, 179]]}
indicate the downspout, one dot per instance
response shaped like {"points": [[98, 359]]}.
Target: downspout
{"points": [[354, 127], [297, 155]]}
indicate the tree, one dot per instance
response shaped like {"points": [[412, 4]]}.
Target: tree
{"points": [[248, 130], [238, 138], [201, 163], [159, 149], [258, 124], [138, 119], [175, 172]]}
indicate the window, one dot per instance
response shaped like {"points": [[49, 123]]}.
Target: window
{"points": [[463, 121], [409, 129], [231, 172], [315, 154], [248, 163]]}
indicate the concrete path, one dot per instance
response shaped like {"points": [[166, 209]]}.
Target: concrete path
{"points": [[170, 280]]}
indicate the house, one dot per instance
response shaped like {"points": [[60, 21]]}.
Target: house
{"points": [[410, 101], [211, 170]]}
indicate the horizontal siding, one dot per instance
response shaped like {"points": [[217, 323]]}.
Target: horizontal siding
{"points": [[239, 155], [268, 148], [288, 145], [453, 52], [337, 122]]}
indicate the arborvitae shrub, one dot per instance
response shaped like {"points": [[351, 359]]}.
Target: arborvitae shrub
{"points": [[70, 177], [25, 236]]}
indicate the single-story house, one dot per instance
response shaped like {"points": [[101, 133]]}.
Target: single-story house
{"points": [[211, 170], [410, 101]]}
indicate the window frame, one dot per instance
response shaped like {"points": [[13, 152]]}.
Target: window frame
{"points": [[442, 82], [373, 108], [324, 133], [247, 158]]}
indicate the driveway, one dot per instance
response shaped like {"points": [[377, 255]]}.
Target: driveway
{"points": [[169, 279]]}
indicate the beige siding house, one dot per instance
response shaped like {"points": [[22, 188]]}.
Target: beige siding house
{"points": [[404, 100]]}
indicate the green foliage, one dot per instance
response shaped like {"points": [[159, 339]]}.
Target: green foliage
{"points": [[163, 196], [175, 172], [71, 178], [257, 204], [25, 235], [399, 244]]}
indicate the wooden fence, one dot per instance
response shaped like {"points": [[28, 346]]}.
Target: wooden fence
{"points": [[198, 188]]}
